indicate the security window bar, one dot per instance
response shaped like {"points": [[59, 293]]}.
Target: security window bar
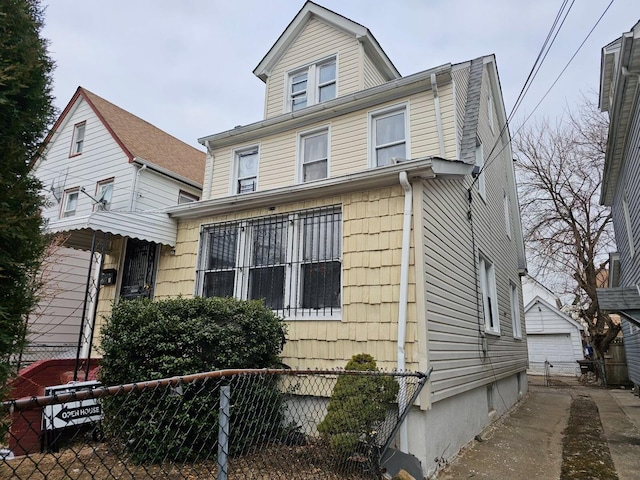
{"points": [[389, 137], [315, 156], [292, 262], [299, 91], [247, 173]]}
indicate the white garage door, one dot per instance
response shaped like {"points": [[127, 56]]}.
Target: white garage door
{"points": [[557, 349]]}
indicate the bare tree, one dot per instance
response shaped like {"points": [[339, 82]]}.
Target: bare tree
{"points": [[568, 233]]}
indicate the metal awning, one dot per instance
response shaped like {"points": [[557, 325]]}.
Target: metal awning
{"points": [[155, 227]]}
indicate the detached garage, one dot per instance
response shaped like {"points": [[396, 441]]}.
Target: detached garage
{"points": [[554, 337]]}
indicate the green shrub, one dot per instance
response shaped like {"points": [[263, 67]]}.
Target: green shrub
{"points": [[144, 340], [358, 403]]}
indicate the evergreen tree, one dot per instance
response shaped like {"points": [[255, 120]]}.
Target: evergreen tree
{"points": [[26, 111]]}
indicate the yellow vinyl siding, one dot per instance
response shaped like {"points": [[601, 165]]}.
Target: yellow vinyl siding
{"points": [[372, 243], [372, 77], [107, 293], [348, 143], [316, 41]]}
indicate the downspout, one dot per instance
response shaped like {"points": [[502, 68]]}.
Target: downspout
{"points": [[404, 289], [436, 106], [134, 198]]}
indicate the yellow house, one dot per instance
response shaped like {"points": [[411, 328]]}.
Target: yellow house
{"points": [[376, 213]]}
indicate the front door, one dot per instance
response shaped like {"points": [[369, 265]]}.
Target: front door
{"points": [[139, 269]]}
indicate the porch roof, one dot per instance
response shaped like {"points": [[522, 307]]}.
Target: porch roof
{"points": [[154, 226]]}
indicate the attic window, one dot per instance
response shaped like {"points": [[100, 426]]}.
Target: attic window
{"points": [[77, 143], [313, 84]]}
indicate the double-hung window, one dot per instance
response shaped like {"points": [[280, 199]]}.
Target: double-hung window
{"points": [[77, 142], [70, 202], [489, 297], [479, 170], [515, 310], [246, 170], [292, 262], [314, 156], [104, 194], [388, 136], [312, 84]]}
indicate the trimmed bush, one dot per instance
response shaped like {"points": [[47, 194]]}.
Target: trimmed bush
{"points": [[357, 405], [144, 340]]}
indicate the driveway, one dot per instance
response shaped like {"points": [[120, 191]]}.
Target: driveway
{"points": [[564, 431]]}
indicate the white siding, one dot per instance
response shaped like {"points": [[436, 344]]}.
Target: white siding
{"points": [[551, 337], [155, 190]]}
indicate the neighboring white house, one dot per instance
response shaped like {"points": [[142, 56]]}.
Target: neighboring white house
{"points": [[552, 335], [106, 174]]}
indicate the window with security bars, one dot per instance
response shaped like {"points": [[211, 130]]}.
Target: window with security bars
{"points": [[293, 262]]}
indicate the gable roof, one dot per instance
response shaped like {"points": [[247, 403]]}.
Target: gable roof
{"points": [[310, 10], [139, 139], [539, 301]]}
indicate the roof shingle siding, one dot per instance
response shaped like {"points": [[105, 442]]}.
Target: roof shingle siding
{"points": [[147, 142], [472, 112]]}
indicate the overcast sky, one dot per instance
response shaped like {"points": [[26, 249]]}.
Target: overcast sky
{"points": [[186, 65]]}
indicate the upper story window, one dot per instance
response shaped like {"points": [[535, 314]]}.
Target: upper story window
{"points": [[507, 213], [185, 197], [490, 109], [292, 262], [313, 84], [314, 155], [389, 141], [77, 142], [479, 170], [104, 194], [70, 202], [246, 170], [489, 297], [515, 311]]}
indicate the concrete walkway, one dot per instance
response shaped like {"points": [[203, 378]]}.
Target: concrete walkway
{"points": [[527, 443]]}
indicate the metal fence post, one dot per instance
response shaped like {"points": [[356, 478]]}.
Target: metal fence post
{"points": [[223, 432]]}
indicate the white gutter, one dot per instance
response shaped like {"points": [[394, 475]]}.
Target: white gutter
{"points": [[134, 196], [436, 105], [404, 289]]}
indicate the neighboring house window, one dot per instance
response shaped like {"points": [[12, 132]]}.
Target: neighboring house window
{"points": [[490, 108], [480, 180], [507, 214], [314, 156], [388, 136], [515, 310], [292, 262], [627, 224], [489, 296], [184, 197], [103, 195], [70, 202], [77, 143], [246, 170], [313, 84]]}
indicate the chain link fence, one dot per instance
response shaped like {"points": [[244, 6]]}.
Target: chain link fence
{"points": [[232, 424], [34, 352]]}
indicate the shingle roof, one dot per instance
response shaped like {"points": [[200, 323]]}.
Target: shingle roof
{"points": [[141, 139]]}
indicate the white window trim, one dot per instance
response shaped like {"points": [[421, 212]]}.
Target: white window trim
{"points": [[373, 115], [235, 157], [628, 226], [293, 256], [65, 201], [97, 207], [489, 291], [313, 87], [481, 182], [507, 213], [515, 311], [300, 151], [189, 197], [74, 139]]}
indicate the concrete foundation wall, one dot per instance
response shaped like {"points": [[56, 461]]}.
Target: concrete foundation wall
{"points": [[441, 432]]}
